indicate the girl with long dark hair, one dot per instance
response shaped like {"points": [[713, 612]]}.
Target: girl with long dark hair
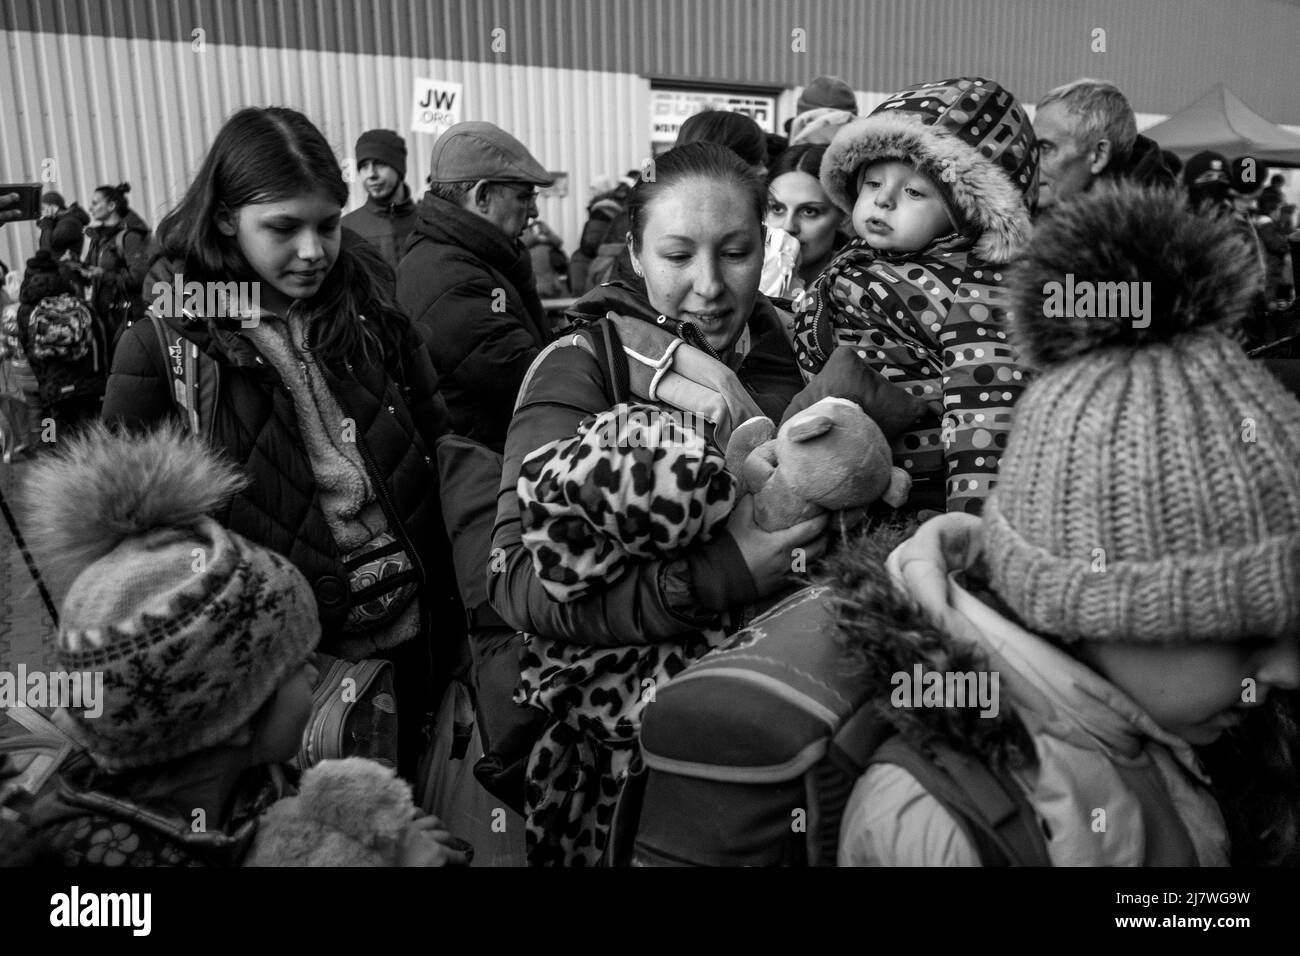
{"points": [[311, 378]]}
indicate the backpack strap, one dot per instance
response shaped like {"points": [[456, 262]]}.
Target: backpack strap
{"points": [[194, 395], [990, 809], [601, 340]]}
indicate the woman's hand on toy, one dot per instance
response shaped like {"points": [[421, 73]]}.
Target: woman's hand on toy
{"points": [[771, 556]]}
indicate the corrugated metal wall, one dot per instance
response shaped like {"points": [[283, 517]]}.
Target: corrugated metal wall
{"points": [[1165, 52], [114, 89], [97, 110]]}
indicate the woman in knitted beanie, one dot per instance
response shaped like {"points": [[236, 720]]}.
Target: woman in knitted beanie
{"points": [[194, 644], [1130, 591]]}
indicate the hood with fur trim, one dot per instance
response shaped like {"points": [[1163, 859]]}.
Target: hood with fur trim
{"points": [[970, 135], [884, 632]]}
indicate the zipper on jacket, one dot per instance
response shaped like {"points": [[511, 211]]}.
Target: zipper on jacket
{"points": [[691, 334]]}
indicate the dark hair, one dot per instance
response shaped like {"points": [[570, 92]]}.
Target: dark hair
{"points": [[694, 161], [266, 155], [804, 158], [116, 195], [735, 131]]}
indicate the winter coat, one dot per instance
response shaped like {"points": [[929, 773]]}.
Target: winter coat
{"points": [[471, 290], [350, 812], [122, 252], [386, 226], [1072, 741], [89, 819], [1145, 166], [398, 415], [655, 600], [931, 321], [1275, 248], [121, 249]]}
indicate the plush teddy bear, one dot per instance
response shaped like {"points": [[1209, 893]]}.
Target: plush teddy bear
{"points": [[830, 456]]}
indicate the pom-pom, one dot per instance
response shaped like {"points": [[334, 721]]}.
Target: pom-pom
{"points": [[1125, 266], [106, 486]]}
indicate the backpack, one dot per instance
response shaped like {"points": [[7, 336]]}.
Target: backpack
{"points": [[469, 475], [60, 329], [789, 733], [469, 481], [195, 378]]}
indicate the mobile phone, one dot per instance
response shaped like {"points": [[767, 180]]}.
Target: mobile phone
{"points": [[29, 198]]}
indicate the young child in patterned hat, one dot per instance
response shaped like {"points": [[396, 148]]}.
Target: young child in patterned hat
{"points": [[938, 180], [202, 641]]}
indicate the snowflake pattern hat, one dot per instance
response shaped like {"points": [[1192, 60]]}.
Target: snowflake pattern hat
{"points": [[193, 627]]}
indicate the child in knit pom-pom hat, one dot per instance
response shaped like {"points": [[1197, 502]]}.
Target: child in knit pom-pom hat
{"points": [[203, 642], [938, 182], [1131, 584]]}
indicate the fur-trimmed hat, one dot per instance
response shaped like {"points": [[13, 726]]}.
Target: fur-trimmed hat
{"points": [[1150, 488], [193, 627], [970, 136]]}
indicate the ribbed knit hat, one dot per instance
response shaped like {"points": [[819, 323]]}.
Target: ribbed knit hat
{"points": [[1150, 488], [193, 627]]}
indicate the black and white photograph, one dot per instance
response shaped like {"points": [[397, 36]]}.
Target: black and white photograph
{"points": [[774, 434]]}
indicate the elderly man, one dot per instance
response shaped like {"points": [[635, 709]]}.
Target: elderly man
{"points": [[1086, 131], [467, 280]]}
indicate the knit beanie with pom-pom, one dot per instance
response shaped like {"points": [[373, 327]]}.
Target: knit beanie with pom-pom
{"points": [[192, 626], [1150, 488]]}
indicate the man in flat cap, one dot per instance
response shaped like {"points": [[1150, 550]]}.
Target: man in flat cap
{"points": [[468, 282]]}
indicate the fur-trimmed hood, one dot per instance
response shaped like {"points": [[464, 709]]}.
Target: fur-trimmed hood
{"points": [[970, 135], [884, 632], [1091, 745]]}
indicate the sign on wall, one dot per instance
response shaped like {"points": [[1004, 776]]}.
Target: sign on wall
{"points": [[437, 105], [670, 108]]}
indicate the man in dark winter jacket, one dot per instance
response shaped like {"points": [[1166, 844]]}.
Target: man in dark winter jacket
{"points": [[386, 219], [1086, 131], [468, 282]]}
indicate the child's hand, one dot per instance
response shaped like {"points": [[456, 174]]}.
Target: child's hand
{"points": [[769, 554], [428, 843]]}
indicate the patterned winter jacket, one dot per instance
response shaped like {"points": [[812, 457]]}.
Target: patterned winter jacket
{"points": [[933, 324], [932, 321]]}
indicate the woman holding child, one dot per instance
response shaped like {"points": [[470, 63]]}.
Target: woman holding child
{"points": [[696, 245]]}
